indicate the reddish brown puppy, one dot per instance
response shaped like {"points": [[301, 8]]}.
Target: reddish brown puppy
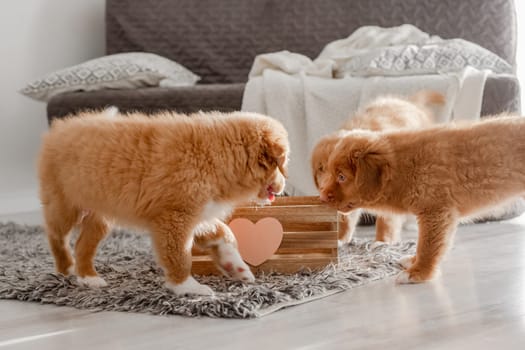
{"points": [[440, 174], [175, 176]]}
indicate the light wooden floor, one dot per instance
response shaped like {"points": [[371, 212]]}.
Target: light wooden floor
{"points": [[478, 303]]}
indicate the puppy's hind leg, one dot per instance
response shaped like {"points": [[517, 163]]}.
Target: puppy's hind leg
{"points": [[436, 231], [93, 228], [388, 228], [220, 240], [347, 225], [60, 219], [172, 239]]}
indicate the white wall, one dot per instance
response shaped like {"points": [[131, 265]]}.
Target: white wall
{"points": [[36, 37], [520, 55]]}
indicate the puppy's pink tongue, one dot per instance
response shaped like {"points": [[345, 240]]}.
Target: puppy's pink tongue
{"points": [[271, 197]]}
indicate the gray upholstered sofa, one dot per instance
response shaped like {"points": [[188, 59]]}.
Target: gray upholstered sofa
{"points": [[218, 40]]}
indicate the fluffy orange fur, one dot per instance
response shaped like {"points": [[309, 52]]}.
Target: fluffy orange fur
{"points": [[439, 174], [381, 114], [176, 176]]}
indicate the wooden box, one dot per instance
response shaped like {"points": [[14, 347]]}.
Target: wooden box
{"points": [[309, 236]]}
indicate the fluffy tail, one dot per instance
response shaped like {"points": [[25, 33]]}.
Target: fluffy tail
{"points": [[430, 101], [425, 98]]}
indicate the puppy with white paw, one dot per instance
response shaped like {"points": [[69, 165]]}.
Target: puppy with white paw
{"points": [[175, 176], [442, 175]]}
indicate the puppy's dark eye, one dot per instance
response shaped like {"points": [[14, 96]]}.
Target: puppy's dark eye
{"points": [[341, 178], [320, 168]]}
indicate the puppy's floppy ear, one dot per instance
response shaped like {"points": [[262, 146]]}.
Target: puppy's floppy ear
{"points": [[275, 150], [370, 169]]}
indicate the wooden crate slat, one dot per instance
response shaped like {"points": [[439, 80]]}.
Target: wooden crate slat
{"points": [[320, 239], [286, 257], [287, 250], [283, 264], [288, 218], [296, 200], [309, 226], [285, 211], [197, 252]]}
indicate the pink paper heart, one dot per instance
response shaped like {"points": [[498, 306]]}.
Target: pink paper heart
{"points": [[257, 242]]}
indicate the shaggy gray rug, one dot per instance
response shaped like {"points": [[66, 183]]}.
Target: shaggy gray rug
{"points": [[125, 261]]}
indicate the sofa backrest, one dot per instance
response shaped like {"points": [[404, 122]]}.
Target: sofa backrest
{"points": [[218, 39]]}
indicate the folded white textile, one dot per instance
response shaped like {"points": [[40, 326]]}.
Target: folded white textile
{"points": [[314, 97]]}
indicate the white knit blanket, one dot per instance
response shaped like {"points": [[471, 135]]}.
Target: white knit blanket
{"points": [[314, 98]]}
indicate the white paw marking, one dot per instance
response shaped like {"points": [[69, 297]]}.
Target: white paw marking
{"points": [[406, 261], [403, 278], [232, 265], [71, 270], [92, 281], [345, 240], [189, 286], [215, 210]]}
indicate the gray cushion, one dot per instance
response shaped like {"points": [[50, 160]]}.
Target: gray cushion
{"points": [[221, 97], [119, 71]]}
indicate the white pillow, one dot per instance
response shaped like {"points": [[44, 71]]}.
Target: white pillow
{"points": [[437, 57], [119, 71]]}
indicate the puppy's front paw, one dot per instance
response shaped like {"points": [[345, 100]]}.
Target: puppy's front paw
{"points": [[71, 270], [189, 286], [407, 261], [231, 264], [342, 241], [411, 277], [403, 278], [92, 281]]}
